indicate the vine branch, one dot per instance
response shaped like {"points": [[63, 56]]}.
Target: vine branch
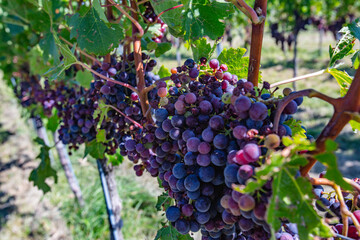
{"points": [[298, 78], [257, 36], [248, 11], [349, 103]]}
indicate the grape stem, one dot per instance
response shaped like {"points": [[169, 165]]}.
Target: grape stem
{"points": [[128, 118], [178, 6], [81, 51], [345, 213], [108, 79], [132, 19], [298, 78], [151, 87], [257, 36], [307, 92]]}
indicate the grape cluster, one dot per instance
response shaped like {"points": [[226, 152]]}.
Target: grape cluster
{"points": [[207, 137], [328, 204], [125, 104], [150, 17]]}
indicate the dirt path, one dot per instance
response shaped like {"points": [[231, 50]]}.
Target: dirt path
{"points": [[24, 212]]}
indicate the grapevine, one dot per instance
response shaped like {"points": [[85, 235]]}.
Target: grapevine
{"points": [[232, 160]]}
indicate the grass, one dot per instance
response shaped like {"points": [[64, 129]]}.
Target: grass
{"points": [[140, 218]]}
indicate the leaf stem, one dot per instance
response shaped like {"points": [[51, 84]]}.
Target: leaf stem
{"points": [[298, 78], [81, 51], [133, 20], [178, 6], [108, 79], [128, 118]]}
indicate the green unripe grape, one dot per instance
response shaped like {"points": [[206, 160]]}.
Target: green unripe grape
{"points": [[287, 91], [272, 141], [226, 98]]}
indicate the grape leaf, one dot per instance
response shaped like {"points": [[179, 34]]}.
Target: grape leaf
{"points": [[328, 158], [235, 60], [356, 59], [100, 10], [354, 27], [172, 18], [162, 48], [37, 65], [53, 122], [164, 72], [343, 79], [204, 18], [355, 125], [48, 45], [115, 159], [95, 149], [295, 126], [201, 48], [84, 78], [163, 202], [343, 47], [68, 60], [93, 34], [170, 233], [101, 136], [39, 175], [289, 192]]}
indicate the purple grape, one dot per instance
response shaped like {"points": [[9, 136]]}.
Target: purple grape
{"points": [[216, 122], [291, 108], [173, 213], [192, 144], [204, 148], [242, 104], [221, 141], [190, 98], [207, 135], [206, 174], [240, 132], [258, 111], [187, 210]]}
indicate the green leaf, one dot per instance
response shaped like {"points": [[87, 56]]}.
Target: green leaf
{"points": [[163, 202], [295, 126], [235, 61], [290, 197], [48, 45], [44, 171], [53, 122], [328, 158], [343, 47], [356, 59], [93, 34], [84, 78], [355, 125], [101, 136], [164, 72], [101, 111], [172, 18], [95, 149], [68, 60], [170, 233], [204, 18], [354, 27], [36, 63], [100, 10], [115, 159], [162, 48], [201, 48], [343, 79]]}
